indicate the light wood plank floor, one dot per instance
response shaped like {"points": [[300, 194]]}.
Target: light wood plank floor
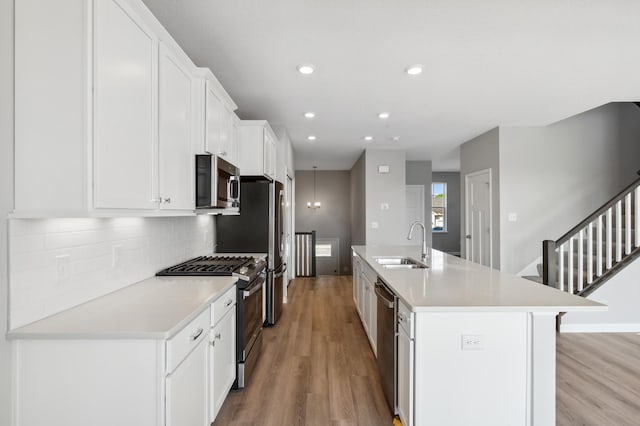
{"points": [[598, 379], [316, 367]]}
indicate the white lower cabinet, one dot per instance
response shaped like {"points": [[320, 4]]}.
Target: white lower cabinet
{"points": [[222, 361], [186, 389], [364, 297], [406, 374]]}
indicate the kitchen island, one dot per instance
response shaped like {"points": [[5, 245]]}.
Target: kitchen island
{"points": [[475, 345]]}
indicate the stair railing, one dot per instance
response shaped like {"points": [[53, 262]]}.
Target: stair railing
{"points": [[596, 246]]}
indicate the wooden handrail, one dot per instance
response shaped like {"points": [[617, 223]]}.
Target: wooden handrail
{"points": [[598, 212]]}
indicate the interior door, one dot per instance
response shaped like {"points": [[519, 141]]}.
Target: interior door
{"points": [[478, 218]]}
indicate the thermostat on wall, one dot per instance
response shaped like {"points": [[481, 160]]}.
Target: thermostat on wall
{"points": [[384, 168]]}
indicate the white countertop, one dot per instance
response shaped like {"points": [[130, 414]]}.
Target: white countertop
{"points": [[156, 308], [452, 284]]}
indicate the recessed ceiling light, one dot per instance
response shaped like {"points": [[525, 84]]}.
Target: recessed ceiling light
{"points": [[305, 69], [414, 69], [311, 137], [309, 114], [395, 138], [368, 138], [383, 115]]}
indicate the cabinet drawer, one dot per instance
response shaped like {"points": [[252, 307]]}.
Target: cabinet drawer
{"points": [[180, 345], [222, 305], [405, 319], [369, 272]]}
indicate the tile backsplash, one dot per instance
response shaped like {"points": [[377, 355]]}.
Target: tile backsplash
{"points": [[55, 264]]}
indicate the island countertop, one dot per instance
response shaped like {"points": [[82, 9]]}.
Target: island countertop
{"points": [[452, 284], [156, 308]]}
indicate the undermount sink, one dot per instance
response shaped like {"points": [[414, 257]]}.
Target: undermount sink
{"points": [[400, 263]]}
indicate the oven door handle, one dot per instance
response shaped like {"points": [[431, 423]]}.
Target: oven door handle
{"points": [[253, 289]]}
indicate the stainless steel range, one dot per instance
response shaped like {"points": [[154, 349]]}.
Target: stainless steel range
{"points": [[251, 272]]}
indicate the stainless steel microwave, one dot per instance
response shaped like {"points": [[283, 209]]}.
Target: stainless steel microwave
{"points": [[217, 183]]}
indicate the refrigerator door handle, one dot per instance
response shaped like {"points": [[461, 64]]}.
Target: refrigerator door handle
{"points": [[281, 273]]}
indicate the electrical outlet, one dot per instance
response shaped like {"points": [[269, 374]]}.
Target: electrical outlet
{"points": [[374, 225], [472, 342], [384, 206], [63, 267], [512, 217], [116, 254]]}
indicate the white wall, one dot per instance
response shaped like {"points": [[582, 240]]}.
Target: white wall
{"points": [[147, 245], [481, 153], [621, 294], [553, 177], [419, 173], [386, 188], [6, 196]]}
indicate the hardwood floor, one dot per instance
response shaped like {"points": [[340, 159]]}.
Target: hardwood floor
{"points": [[316, 367], [598, 379]]}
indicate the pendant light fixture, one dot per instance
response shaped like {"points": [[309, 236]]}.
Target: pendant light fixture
{"points": [[315, 204]]}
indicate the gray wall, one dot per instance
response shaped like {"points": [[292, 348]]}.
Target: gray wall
{"points": [[6, 196], [555, 176], [419, 173], [358, 202], [449, 241], [478, 154], [386, 188], [333, 218]]}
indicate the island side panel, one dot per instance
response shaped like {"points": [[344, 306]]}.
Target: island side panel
{"points": [[483, 384], [543, 368]]}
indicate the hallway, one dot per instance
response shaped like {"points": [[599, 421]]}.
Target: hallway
{"points": [[316, 368]]}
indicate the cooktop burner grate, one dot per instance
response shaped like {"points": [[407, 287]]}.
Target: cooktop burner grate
{"points": [[208, 265]]}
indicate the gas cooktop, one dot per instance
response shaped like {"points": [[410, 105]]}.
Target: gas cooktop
{"points": [[209, 266]]}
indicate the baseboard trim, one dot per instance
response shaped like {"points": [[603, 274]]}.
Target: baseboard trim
{"points": [[599, 328]]}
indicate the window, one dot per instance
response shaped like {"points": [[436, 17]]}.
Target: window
{"points": [[439, 207], [323, 250]]}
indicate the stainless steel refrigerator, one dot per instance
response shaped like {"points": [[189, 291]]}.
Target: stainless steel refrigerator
{"points": [[259, 229]]}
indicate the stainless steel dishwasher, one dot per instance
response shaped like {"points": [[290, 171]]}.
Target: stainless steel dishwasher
{"points": [[386, 344]]}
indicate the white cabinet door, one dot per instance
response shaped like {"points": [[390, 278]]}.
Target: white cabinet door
{"points": [[176, 160], [405, 377], [222, 361], [125, 94], [225, 149], [373, 317], [366, 301], [186, 390], [213, 121]]}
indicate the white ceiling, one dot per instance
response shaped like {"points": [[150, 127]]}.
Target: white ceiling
{"points": [[487, 63]]}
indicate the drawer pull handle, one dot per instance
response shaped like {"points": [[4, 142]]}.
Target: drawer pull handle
{"points": [[229, 302], [197, 334]]}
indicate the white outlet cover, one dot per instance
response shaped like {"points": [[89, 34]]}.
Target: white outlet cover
{"points": [[63, 267], [512, 217], [472, 342], [384, 206], [374, 225]]}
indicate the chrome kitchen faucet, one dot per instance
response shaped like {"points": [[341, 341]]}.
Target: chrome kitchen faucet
{"points": [[424, 238]]}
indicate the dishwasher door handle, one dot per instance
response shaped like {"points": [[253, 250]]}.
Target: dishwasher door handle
{"points": [[380, 292]]}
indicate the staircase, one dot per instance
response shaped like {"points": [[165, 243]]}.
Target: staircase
{"points": [[597, 248]]}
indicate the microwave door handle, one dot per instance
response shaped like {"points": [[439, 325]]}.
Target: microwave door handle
{"points": [[234, 188]]}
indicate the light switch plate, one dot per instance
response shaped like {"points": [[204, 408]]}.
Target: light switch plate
{"points": [[383, 168], [384, 206], [374, 225]]}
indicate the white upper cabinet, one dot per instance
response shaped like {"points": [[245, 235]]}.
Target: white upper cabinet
{"points": [[218, 119], [256, 148], [113, 98], [125, 93], [176, 154]]}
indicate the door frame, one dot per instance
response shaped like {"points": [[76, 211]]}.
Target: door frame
{"points": [[466, 212]]}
